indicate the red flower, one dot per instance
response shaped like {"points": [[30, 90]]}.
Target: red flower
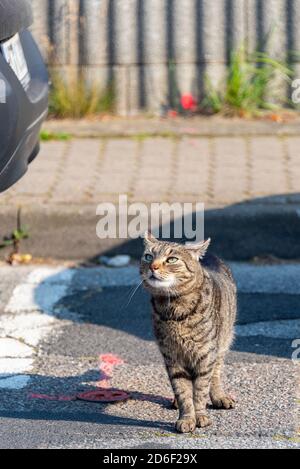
{"points": [[188, 102]]}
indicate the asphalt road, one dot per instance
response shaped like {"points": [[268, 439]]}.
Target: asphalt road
{"points": [[65, 331]]}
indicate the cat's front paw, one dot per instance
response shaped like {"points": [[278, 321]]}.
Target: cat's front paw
{"points": [[203, 421], [186, 425], [224, 402]]}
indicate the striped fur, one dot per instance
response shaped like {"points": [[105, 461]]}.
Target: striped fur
{"points": [[194, 311]]}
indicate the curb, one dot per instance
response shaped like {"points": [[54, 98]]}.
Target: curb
{"points": [[176, 128], [239, 232]]}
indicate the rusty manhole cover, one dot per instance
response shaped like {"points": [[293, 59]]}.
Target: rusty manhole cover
{"points": [[104, 395]]}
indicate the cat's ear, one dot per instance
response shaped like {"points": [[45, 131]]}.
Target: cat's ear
{"points": [[149, 239], [198, 250]]}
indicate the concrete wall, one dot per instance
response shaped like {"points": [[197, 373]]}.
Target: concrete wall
{"points": [[151, 48]]}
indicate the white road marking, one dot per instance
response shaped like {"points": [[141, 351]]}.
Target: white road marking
{"points": [[51, 276], [31, 313], [28, 319], [14, 348], [27, 327], [280, 279], [43, 288], [11, 366], [15, 382], [289, 329]]}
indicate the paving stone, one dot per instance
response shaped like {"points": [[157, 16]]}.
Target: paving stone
{"points": [[216, 170], [230, 172], [268, 166]]}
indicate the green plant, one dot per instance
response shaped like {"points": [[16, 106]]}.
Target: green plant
{"points": [[75, 98], [15, 238], [249, 84], [47, 136], [213, 100]]}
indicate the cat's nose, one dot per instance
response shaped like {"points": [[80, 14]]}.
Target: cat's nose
{"points": [[154, 266]]}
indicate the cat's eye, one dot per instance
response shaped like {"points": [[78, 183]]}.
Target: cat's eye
{"points": [[148, 258], [172, 260]]}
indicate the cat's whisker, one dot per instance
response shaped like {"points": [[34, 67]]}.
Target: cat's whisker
{"points": [[134, 292], [127, 295]]}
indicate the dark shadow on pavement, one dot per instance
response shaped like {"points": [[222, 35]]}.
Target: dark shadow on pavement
{"points": [[260, 227], [54, 398]]}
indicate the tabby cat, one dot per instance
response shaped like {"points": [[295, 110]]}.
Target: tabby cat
{"points": [[194, 311]]}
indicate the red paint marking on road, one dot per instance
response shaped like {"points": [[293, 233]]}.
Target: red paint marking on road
{"points": [[112, 359], [107, 364]]}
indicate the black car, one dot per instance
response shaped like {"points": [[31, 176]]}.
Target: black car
{"points": [[24, 87]]}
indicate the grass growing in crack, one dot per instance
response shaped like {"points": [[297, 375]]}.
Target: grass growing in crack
{"points": [[75, 98], [47, 136], [14, 241], [251, 86]]}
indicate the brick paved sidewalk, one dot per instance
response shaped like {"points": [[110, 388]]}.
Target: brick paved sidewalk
{"points": [[218, 171]]}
